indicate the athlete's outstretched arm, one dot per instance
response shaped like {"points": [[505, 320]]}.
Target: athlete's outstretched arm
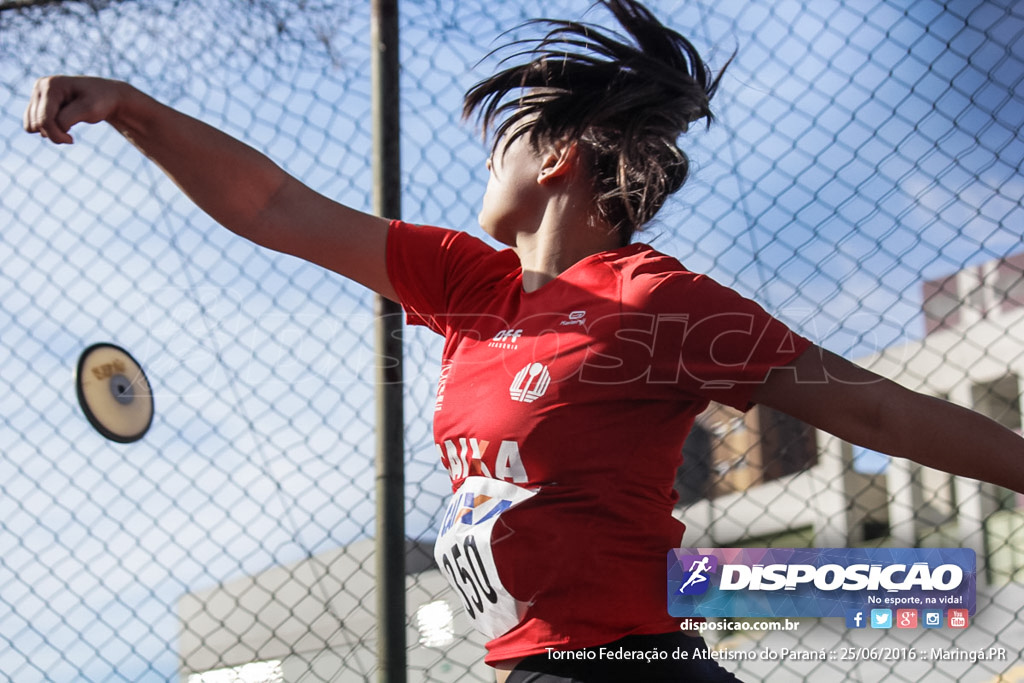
{"points": [[236, 185], [863, 408]]}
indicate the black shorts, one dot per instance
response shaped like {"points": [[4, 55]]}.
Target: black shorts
{"points": [[633, 659]]}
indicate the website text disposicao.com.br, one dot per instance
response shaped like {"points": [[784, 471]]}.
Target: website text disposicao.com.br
{"points": [[701, 625]]}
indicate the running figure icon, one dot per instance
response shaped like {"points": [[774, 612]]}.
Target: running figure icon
{"points": [[697, 570]]}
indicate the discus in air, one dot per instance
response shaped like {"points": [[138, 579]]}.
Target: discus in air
{"points": [[114, 393]]}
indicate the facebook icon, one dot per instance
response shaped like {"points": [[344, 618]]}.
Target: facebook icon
{"points": [[855, 618]]}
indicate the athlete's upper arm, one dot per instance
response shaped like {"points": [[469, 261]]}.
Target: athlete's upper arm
{"points": [[306, 224], [865, 409], [840, 397]]}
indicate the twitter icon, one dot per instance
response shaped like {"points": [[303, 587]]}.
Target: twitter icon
{"points": [[881, 618]]}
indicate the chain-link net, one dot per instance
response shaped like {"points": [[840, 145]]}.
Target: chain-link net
{"points": [[863, 182]]}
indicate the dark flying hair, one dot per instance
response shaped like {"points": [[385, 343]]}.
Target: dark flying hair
{"points": [[624, 102]]}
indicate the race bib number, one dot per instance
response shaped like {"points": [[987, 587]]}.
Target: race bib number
{"points": [[463, 552]]}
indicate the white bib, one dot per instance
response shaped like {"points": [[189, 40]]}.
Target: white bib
{"points": [[463, 552]]}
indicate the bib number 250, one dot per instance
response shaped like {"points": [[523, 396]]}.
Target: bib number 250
{"points": [[466, 568]]}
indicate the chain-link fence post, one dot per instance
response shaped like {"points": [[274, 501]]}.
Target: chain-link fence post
{"points": [[387, 192]]}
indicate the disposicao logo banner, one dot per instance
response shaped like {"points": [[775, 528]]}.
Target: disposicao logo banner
{"points": [[817, 582]]}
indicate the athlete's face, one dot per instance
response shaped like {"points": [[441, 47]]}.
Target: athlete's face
{"points": [[514, 201]]}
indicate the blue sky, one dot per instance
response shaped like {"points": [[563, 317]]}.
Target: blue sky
{"points": [[856, 153]]}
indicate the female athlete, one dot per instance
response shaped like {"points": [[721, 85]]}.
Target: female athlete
{"points": [[575, 360]]}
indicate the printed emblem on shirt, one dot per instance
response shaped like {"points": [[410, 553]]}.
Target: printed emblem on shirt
{"points": [[471, 509], [506, 339], [576, 318], [530, 383]]}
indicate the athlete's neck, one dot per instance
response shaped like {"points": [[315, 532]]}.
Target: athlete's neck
{"points": [[557, 246], [569, 226]]}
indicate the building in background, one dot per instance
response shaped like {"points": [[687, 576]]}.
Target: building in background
{"points": [[729, 451], [759, 478], [315, 620]]}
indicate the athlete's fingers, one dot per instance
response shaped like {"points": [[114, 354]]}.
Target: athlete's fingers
{"points": [[41, 115], [32, 110], [59, 102], [57, 96], [26, 119], [77, 109]]}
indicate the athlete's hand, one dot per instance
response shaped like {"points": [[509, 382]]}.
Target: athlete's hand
{"points": [[59, 102]]}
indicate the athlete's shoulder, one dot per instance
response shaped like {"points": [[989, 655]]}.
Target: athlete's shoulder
{"points": [[438, 272], [454, 251], [640, 260], [645, 272], [419, 236]]}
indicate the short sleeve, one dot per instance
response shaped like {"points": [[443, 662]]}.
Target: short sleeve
{"points": [[709, 341], [437, 272]]}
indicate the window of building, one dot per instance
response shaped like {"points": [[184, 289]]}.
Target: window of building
{"points": [[867, 461], [694, 476], [1008, 283], [999, 400], [436, 623], [941, 304], [788, 445], [800, 537], [255, 672], [729, 452]]}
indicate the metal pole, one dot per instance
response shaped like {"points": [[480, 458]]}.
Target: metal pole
{"points": [[390, 543]]}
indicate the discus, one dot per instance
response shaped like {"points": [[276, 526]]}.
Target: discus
{"points": [[114, 393]]}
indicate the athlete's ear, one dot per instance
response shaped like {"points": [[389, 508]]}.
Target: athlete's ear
{"points": [[559, 162]]}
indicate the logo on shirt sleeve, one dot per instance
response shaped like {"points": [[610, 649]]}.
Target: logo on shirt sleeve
{"points": [[530, 383]]}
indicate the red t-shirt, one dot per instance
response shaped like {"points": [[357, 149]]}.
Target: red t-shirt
{"points": [[583, 391]]}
